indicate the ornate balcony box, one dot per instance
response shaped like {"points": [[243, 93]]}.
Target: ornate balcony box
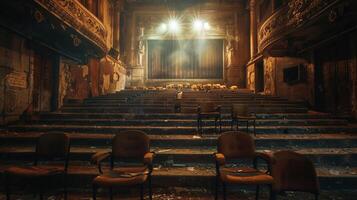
{"points": [[62, 25], [303, 22]]}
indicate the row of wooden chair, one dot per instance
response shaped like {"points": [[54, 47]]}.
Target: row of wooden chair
{"points": [[285, 170], [133, 146], [239, 114]]}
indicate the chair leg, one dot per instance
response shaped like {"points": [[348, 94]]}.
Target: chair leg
{"points": [[254, 128], [215, 125], [141, 191], [65, 187], [316, 196], [232, 122], [272, 193], [111, 193], [220, 124], [257, 193], [224, 191], [94, 192], [216, 189], [7, 186], [150, 188], [247, 127], [198, 124]]}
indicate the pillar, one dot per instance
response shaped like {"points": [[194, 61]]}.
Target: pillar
{"points": [[253, 29], [116, 26], [93, 65]]}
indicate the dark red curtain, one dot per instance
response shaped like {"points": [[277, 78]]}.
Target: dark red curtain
{"points": [[185, 59]]}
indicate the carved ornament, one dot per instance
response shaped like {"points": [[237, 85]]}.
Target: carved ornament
{"points": [[76, 15]]}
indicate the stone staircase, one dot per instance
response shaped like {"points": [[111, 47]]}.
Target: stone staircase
{"points": [[183, 158]]}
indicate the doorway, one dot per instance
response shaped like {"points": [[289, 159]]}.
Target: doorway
{"points": [[333, 81], [259, 77], [45, 81]]}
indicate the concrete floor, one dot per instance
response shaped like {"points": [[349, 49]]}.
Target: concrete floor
{"points": [[184, 194]]}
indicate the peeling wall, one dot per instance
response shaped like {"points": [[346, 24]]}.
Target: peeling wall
{"points": [[74, 83], [274, 79], [251, 76], [16, 64], [112, 75]]}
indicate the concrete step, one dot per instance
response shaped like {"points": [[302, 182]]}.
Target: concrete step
{"points": [[88, 115], [179, 130], [192, 104], [170, 109], [185, 123], [186, 141], [186, 156], [80, 175]]}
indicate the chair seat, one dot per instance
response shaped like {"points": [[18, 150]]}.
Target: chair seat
{"points": [[241, 117], [206, 114], [122, 176], [34, 171], [245, 175]]}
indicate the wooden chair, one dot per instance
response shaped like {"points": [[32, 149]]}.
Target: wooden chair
{"points": [[127, 146], [206, 111], [293, 172], [240, 113], [53, 147], [234, 146]]}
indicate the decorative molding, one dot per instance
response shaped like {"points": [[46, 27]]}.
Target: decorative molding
{"points": [[74, 14], [288, 18]]}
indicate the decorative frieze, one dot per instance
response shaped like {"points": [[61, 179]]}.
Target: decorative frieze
{"points": [[294, 14], [75, 15]]}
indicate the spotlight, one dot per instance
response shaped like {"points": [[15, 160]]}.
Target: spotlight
{"points": [[206, 26], [163, 28], [174, 26], [198, 25]]}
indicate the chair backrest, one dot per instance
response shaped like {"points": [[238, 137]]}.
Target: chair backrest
{"points": [[233, 144], [208, 107], [240, 109], [53, 146], [293, 172], [130, 144]]}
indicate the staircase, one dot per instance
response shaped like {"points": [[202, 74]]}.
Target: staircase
{"points": [[183, 158]]}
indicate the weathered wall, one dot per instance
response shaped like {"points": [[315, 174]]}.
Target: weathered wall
{"points": [[112, 75], [250, 76], [336, 76], [274, 79], [74, 81], [16, 65]]}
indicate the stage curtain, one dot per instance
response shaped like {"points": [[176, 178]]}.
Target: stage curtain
{"points": [[185, 59]]}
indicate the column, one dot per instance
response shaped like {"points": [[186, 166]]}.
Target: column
{"points": [[90, 5], [100, 10], [116, 25], [253, 29]]}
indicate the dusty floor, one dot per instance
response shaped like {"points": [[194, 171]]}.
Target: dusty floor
{"points": [[184, 194]]}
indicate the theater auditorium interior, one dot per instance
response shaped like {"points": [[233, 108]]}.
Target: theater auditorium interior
{"points": [[178, 99]]}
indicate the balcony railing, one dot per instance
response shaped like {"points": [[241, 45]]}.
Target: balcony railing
{"points": [[75, 15], [290, 17]]}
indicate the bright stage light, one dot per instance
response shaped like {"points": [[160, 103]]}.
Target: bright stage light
{"points": [[206, 26], [198, 25], [163, 28], [174, 26]]}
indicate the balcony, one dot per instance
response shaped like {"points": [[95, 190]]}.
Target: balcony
{"points": [[75, 15], [300, 21]]}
